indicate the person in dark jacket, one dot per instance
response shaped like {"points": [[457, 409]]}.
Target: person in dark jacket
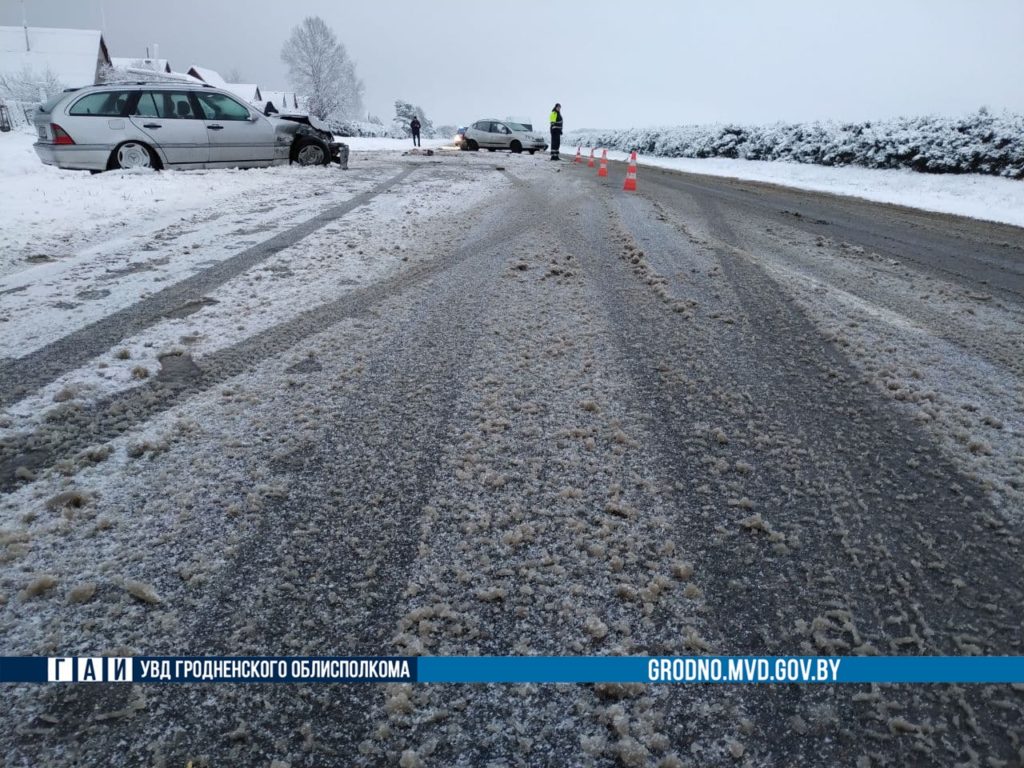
{"points": [[556, 131], [415, 126]]}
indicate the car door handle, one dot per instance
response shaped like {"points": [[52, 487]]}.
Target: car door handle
{"points": [[215, 127], [152, 125]]}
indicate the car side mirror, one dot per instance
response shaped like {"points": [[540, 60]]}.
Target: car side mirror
{"points": [[253, 117]]}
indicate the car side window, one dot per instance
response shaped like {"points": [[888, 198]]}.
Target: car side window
{"points": [[169, 105], [103, 104], [480, 126], [217, 106], [146, 106], [499, 128]]}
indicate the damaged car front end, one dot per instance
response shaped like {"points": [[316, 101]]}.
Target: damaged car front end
{"points": [[312, 142]]}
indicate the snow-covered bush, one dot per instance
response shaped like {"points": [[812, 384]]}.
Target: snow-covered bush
{"points": [[978, 143], [362, 128]]}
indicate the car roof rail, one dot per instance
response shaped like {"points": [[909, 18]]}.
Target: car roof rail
{"points": [[158, 81]]}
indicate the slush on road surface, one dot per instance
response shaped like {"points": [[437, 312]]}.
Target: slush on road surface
{"points": [[488, 404]]}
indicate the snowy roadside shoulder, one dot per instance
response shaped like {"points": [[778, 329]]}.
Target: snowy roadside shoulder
{"points": [[347, 254], [988, 198], [51, 215], [84, 246], [72, 532]]}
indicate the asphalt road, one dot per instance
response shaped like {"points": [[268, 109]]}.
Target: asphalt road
{"points": [[713, 416]]}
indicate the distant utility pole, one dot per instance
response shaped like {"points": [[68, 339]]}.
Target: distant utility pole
{"points": [[24, 25]]}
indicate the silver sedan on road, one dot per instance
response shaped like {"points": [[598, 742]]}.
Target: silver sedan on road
{"points": [[501, 134], [169, 125]]}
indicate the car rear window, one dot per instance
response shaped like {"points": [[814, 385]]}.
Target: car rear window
{"points": [[51, 102], [102, 104]]}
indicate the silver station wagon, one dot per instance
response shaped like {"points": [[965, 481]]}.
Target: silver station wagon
{"points": [[171, 125]]}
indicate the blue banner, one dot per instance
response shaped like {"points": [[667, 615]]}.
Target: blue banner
{"points": [[809, 670], [722, 669]]}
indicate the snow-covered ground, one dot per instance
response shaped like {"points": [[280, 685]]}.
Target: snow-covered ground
{"points": [[472, 416], [373, 144], [170, 236], [49, 215], [981, 197], [84, 246]]}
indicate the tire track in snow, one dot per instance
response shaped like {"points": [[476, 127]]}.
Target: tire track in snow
{"points": [[77, 429], [544, 535], [25, 374], [844, 463], [729, 394], [347, 450]]}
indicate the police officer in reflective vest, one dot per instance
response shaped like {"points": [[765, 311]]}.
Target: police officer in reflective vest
{"points": [[556, 131]]}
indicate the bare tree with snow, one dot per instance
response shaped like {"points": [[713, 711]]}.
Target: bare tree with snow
{"points": [[29, 86], [321, 70]]}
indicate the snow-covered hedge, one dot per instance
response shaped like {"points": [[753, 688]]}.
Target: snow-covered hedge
{"points": [[978, 143]]}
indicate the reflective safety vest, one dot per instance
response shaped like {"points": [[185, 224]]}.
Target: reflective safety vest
{"points": [[556, 121]]}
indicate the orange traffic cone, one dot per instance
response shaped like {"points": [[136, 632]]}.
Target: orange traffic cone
{"points": [[630, 185], [591, 163], [579, 158], [603, 170]]}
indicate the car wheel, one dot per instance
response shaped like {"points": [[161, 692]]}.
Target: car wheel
{"points": [[309, 151], [515, 146], [473, 146], [133, 154]]}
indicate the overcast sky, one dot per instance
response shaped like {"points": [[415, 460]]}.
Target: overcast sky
{"points": [[610, 64]]}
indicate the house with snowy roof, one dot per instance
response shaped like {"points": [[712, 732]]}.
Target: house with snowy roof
{"points": [[71, 58], [210, 76], [248, 91], [280, 101]]}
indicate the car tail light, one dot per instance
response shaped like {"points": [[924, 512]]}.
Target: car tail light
{"points": [[60, 136]]}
